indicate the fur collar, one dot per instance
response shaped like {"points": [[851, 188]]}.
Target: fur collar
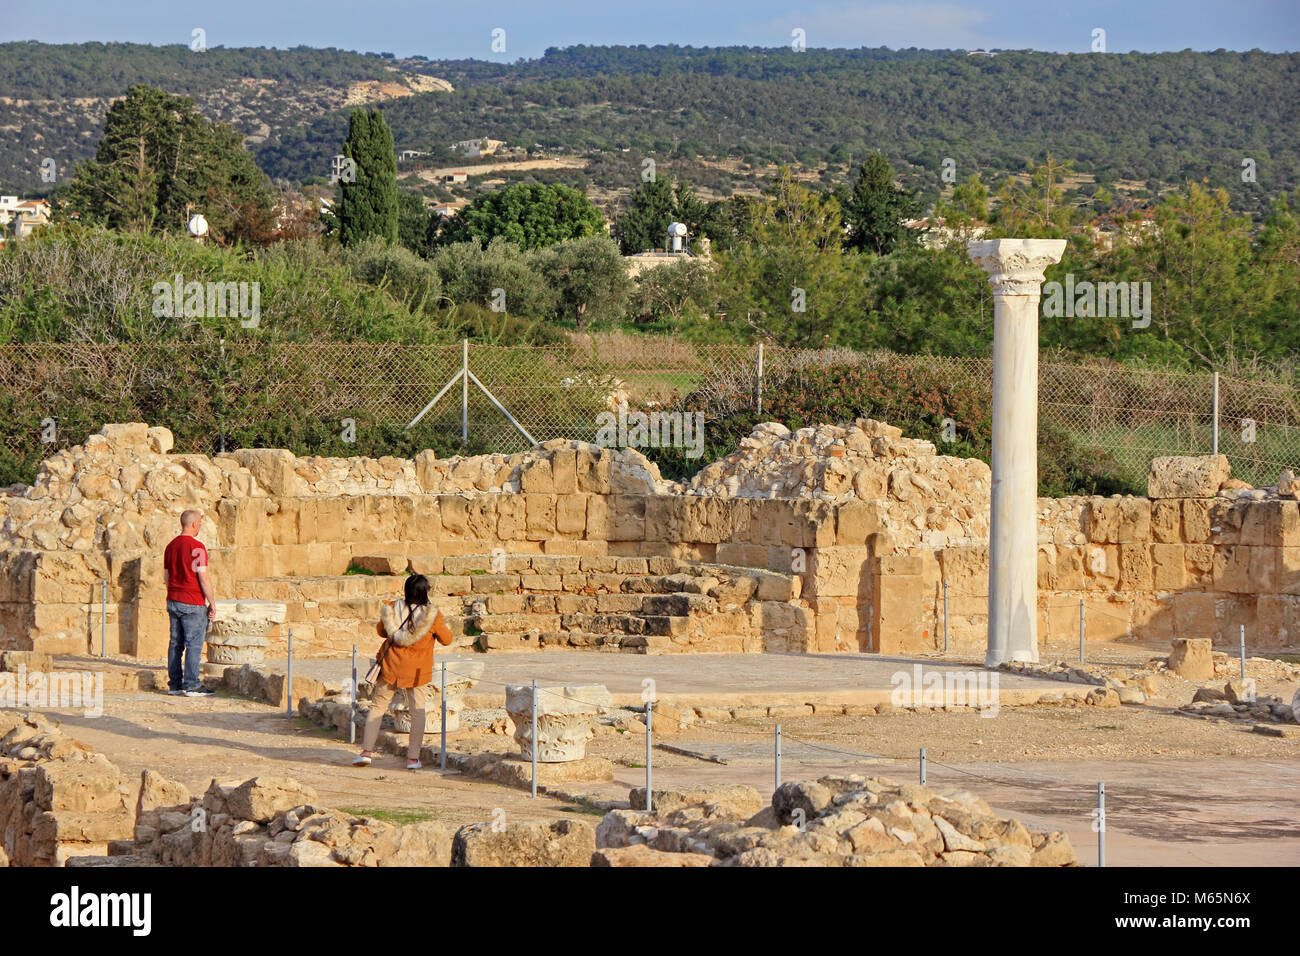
{"points": [[419, 626]]}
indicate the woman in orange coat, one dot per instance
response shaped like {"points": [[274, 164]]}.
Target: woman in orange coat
{"points": [[409, 628]]}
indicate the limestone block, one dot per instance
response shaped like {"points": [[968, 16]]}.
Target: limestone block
{"points": [[540, 516], [1166, 521], [564, 474], [273, 469], [156, 791], [562, 843], [1101, 567], [454, 513], [1191, 659], [843, 571], [261, 798], [1169, 571], [160, 440], [571, 514], [1187, 476], [627, 518], [81, 786], [1135, 567], [536, 477], [856, 521], [599, 524], [640, 855], [1134, 521], [1232, 569], [1101, 520], [593, 470], [565, 718]]}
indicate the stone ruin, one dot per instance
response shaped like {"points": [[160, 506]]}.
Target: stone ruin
{"points": [[565, 717], [833, 538], [238, 634], [63, 804]]}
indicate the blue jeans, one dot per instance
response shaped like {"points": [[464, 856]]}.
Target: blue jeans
{"points": [[189, 628]]}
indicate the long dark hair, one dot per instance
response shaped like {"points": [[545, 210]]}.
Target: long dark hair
{"points": [[417, 595]]}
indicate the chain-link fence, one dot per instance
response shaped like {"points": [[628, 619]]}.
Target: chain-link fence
{"points": [[360, 398]]}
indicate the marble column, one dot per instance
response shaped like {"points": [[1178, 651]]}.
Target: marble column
{"points": [[1015, 268], [239, 632], [566, 718]]}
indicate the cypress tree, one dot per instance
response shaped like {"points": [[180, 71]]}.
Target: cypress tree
{"points": [[368, 206]]}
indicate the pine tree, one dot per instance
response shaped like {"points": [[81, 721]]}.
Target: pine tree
{"points": [[368, 205], [644, 224], [875, 208], [159, 161]]}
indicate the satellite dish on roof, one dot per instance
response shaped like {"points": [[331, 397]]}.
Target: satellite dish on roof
{"points": [[197, 226]]}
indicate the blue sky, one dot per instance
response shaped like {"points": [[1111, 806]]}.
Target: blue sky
{"points": [[464, 29]]}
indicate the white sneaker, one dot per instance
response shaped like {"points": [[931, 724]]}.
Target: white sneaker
{"points": [[361, 760], [413, 765]]}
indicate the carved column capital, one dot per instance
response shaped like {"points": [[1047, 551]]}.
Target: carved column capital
{"points": [[1015, 266]]}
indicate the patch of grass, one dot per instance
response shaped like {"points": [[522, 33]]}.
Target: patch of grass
{"points": [[472, 629], [1288, 658], [302, 723], [585, 806], [479, 571], [357, 569], [1106, 727], [398, 816]]}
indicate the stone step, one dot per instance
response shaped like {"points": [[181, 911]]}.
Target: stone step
{"points": [[663, 602]]}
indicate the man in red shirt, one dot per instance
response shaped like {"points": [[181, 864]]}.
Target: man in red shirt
{"points": [[190, 606]]}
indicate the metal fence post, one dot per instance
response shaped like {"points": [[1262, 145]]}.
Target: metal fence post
{"points": [[288, 681], [442, 756], [464, 396], [760, 378], [778, 758], [1215, 413], [922, 766], [103, 618], [1243, 652], [1101, 824], [649, 735], [1080, 630], [352, 724], [945, 615], [534, 739]]}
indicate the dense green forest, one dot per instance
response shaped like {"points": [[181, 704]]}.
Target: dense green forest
{"points": [[1162, 117], [1154, 119], [45, 71]]}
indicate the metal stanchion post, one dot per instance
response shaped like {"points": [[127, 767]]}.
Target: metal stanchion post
{"points": [[1101, 824], [945, 615], [442, 755], [288, 681], [778, 758], [534, 738], [1243, 652], [103, 618], [649, 734], [923, 766], [1080, 630], [352, 723]]}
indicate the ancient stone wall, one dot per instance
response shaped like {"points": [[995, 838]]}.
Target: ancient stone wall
{"points": [[1197, 558], [826, 539]]}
